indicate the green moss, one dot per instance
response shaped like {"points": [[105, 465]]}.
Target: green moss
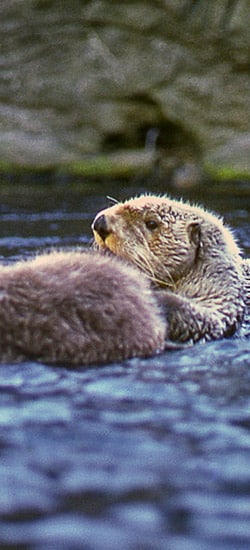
{"points": [[124, 164], [12, 168], [226, 173], [96, 167], [6, 166], [114, 166], [120, 165]]}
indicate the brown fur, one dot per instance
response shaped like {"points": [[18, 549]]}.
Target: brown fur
{"points": [[246, 273], [77, 308], [191, 258]]}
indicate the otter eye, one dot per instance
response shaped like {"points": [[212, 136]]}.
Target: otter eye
{"points": [[151, 225]]}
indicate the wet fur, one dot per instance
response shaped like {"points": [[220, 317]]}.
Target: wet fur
{"points": [[191, 258], [77, 308]]}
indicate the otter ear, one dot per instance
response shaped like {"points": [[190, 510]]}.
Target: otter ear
{"points": [[194, 233]]}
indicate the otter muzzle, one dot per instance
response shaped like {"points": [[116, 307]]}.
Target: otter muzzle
{"points": [[100, 226]]}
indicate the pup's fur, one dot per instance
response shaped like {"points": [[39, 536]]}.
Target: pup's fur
{"points": [[77, 308]]}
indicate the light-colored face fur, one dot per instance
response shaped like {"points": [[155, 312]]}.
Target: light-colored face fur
{"points": [[163, 237]]}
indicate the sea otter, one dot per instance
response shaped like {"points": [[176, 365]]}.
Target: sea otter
{"points": [[191, 258], [77, 308]]}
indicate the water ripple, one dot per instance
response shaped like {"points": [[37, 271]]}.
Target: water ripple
{"points": [[147, 454]]}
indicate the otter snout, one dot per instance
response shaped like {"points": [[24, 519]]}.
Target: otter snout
{"points": [[101, 227]]}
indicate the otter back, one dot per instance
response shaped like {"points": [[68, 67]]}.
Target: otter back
{"points": [[77, 308]]}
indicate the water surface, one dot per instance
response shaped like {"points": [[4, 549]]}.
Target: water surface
{"points": [[147, 454]]}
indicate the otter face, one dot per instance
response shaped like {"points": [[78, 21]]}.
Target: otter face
{"points": [[158, 235]]}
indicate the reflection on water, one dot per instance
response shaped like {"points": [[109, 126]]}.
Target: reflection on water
{"points": [[148, 454]]}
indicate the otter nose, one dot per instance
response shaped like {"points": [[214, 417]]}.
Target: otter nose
{"points": [[100, 226]]}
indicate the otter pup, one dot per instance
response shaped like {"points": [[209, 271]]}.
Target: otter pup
{"points": [[77, 308], [190, 256]]}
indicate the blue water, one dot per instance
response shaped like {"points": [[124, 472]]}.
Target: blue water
{"points": [[143, 455]]}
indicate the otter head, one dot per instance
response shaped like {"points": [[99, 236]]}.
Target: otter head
{"points": [[159, 235]]}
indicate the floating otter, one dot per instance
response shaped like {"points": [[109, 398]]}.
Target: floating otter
{"points": [[77, 308], [190, 256]]}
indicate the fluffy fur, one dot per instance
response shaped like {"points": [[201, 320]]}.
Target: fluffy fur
{"points": [[77, 308], [190, 256]]}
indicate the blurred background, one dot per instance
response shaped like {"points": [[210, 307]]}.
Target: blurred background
{"points": [[104, 98], [118, 89]]}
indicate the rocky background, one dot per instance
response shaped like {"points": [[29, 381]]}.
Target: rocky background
{"points": [[141, 83]]}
